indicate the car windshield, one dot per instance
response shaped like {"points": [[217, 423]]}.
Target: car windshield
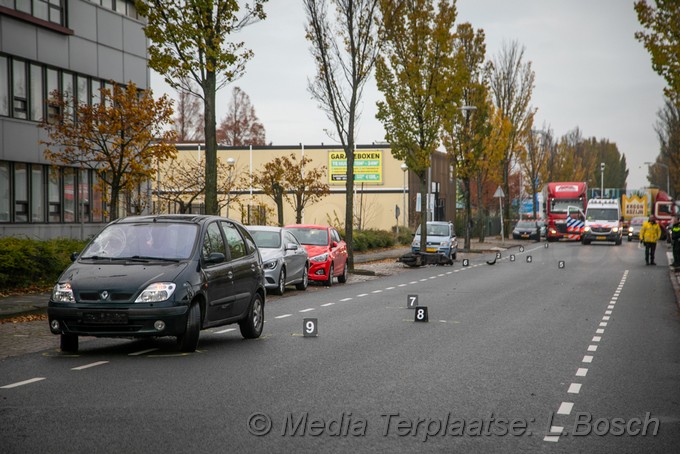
{"points": [[311, 237], [436, 229], [602, 214], [562, 205], [526, 225], [160, 240], [637, 221], [266, 239]]}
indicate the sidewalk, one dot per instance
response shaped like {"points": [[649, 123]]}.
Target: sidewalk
{"points": [[15, 305]]}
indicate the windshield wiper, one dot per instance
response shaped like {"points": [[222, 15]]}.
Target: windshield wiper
{"points": [[145, 258]]}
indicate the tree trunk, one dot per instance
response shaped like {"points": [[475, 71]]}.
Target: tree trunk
{"points": [[279, 207], [209, 88], [349, 203], [423, 210], [481, 214], [468, 212]]}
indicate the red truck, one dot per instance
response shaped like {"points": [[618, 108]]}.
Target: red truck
{"points": [[663, 208], [565, 203]]}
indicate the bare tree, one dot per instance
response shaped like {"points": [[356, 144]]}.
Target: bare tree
{"points": [[533, 158], [344, 48], [189, 119], [512, 83], [240, 126]]}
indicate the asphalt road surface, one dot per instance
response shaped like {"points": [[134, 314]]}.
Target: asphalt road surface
{"points": [[577, 350]]}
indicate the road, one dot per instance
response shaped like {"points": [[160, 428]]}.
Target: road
{"points": [[516, 357]]}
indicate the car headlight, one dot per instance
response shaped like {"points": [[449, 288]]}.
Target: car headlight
{"points": [[270, 265], [615, 229], [156, 292], [586, 229], [320, 258], [445, 244], [62, 293], [416, 243]]}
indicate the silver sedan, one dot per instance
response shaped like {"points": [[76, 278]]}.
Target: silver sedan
{"points": [[285, 260]]}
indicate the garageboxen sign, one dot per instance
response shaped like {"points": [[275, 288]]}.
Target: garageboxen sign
{"points": [[368, 167]]}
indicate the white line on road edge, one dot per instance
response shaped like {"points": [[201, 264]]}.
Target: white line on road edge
{"points": [[225, 330], [142, 352], [22, 383], [87, 366]]}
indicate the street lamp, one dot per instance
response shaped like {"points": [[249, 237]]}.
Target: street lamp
{"points": [[230, 163], [404, 168], [602, 180], [668, 175]]}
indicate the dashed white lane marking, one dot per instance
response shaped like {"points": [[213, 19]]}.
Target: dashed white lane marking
{"points": [[148, 350], [565, 408], [575, 388], [402, 285], [283, 316], [228, 330], [22, 383], [330, 304], [307, 310], [345, 299], [361, 295], [389, 288], [87, 366], [376, 291]]}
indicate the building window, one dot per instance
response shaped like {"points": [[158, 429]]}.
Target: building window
{"points": [[69, 195], [20, 192], [84, 195], [36, 93], [47, 10], [4, 192], [4, 86], [20, 101], [97, 201], [37, 194], [54, 194], [83, 97], [53, 92]]}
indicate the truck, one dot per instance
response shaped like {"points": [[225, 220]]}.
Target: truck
{"points": [[565, 203], [661, 205], [603, 221]]}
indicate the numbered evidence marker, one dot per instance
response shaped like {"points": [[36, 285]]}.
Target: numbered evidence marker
{"points": [[466, 262], [498, 255], [560, 264], [528, 259], [421, 314], [411, 301], [521, 249], [310, 327], [512, 257]]}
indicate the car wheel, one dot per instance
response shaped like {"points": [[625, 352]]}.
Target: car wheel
{"points": [[329, 282], [343, 277], [188, 341], [305, 279], [251, 326], [282, 282], [68, 343]]}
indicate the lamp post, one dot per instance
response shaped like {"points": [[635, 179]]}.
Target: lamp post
{"points": [[404, 169], [230, 163], [602, 180], [668, 174]]}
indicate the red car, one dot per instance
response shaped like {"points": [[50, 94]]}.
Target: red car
{"points": [[327, 252]]}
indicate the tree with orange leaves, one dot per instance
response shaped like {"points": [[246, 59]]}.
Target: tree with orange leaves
{"points": [[123, 138]]}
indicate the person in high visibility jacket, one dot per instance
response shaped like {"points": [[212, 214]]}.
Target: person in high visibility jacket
{"points": [[675, 238], [649, 235]]}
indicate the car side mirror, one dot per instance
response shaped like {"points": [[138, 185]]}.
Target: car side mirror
{"points": [[215, 257], [334, 244], [291, 247], [74, 256]]}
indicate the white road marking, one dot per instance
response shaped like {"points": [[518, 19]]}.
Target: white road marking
{"points": [[565, 408], [307, 310], [345, 299], [605, 318], [148, 350], [362, 295], [87, 366], [574, 388], [376, 291], [599, 331], [581, 372], [587, 359], [592, 348], [597, 338], [283, 316], [389, 288], [22, 383], [330, 304]]}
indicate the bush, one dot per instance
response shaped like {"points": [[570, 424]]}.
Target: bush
{"points": [[372, 239], [26, 263]]}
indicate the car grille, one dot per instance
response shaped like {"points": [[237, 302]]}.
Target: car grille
{"points": [[95, 297], [601, 229]]}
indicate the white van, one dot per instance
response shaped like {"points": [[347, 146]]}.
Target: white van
{"points": [[603, 221]]}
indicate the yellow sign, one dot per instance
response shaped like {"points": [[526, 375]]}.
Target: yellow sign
{"points": [[368, 167], [634, 206]]}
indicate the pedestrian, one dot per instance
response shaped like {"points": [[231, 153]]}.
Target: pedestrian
{"points": [[649, 235], [675, 239]]}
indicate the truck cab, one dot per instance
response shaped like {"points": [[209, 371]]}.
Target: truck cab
{"points": [[603, 221]]}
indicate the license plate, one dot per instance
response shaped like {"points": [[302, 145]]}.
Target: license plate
{"points": [[431, 249], [525, 235], [601, 238], [112, 318]]}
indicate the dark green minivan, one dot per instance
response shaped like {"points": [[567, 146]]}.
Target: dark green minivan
{"points": [[166, 275]]}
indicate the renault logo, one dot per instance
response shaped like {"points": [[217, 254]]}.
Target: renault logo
{"points": [[104, 295]]}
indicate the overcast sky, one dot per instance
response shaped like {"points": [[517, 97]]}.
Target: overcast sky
{"points": [[590, 72]]}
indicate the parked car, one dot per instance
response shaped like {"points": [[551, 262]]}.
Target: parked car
{"points": [[526, 230], [634, 228], [168, 275], [285, 260], [441, 237], [327, 252]]}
